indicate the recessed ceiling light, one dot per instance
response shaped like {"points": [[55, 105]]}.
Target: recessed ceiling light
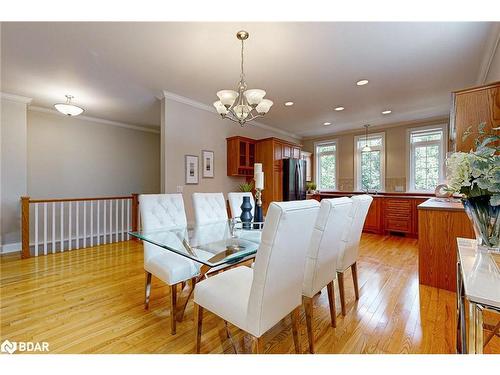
{"points": [[288, 104], [339, 108], [386, 112], [362, 82], [327, 123]]}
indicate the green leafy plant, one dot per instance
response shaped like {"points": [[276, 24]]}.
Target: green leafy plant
{"points": [[310, 186], [246, 187], [477, 173]]}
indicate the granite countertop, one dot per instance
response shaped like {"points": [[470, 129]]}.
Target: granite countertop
{"points": [[445, 204]]}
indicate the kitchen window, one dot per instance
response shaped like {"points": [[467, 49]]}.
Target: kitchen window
{"points": [[427, 151], [369, 164], [326, 165]]}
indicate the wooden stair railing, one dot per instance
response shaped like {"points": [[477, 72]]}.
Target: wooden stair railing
{"points": [[109, 220]]}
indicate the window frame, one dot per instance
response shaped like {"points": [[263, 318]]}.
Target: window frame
{"points": [[316, 163], [357, 160], [410, 165]]}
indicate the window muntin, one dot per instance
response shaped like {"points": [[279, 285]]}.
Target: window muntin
{"points": [[326, 165]]}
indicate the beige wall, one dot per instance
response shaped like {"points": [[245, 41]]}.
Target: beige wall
{"points": [[494, 72], [73, 157], [396, 154], [189, 130], [13, 168]]}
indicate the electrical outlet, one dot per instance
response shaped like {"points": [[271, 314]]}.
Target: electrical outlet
{"points": [[180, 188]]}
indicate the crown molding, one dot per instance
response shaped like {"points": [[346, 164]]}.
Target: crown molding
{"points": [[15, 98], [97, 120], [492, 46], [193, 103]]}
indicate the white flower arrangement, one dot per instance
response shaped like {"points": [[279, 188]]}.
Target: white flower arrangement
{"points": [[477, 173]]}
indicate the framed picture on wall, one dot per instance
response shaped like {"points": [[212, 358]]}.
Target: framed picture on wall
{"points": [[207, 158], [191, 169]]}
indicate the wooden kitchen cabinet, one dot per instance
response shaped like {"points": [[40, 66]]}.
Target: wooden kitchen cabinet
{"points": [[373, 221], [240, 156], [470, 107]]}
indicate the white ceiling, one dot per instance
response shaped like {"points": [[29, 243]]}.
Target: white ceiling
{"points": [[116, 71]]}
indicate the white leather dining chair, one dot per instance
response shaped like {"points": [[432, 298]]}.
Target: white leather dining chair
{"points": [[236, 199], [256, 299], [164, 211], [327, 241], [209, 208], [349, 256]]}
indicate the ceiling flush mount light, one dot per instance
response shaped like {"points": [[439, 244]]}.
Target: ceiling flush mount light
{"points": [[288, 104], [243, 104], [386, 112], [327, 123], [339, 108], [362, 82], [366, 148], [67, 108]]}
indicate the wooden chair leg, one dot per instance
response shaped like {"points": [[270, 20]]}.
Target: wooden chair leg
{"points": [[331, 301], [308, 307], [173, 308], [340, 277], [295, 329], [198, 320], [256, 345], [147, 290], [354, 270]]}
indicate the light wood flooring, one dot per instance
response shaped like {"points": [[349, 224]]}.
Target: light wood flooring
{"points": [[91, 301]]}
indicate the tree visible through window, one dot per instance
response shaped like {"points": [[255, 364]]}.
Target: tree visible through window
{"points": [[370, 164], [426, 159], [326, 155]]}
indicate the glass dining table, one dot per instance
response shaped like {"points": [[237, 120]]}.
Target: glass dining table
{"points": [[213, 246]]}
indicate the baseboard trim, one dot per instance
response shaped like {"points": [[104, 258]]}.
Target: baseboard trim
{"points": [[11, 248]]}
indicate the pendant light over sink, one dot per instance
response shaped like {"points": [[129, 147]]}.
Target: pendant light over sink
{"points": [[244, 104], [67, 108], [367, 148]]}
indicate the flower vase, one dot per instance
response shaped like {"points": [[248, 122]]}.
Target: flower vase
{"points": [[485, 220], [246, 213]]}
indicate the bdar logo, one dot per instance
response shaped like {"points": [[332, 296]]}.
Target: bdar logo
{"points": [[8, 347]]}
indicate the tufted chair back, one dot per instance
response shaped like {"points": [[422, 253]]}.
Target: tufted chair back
{"points": [[328, 239], [279, 265], [209, 208], [235, 201], [360, 206], [160, 211]]}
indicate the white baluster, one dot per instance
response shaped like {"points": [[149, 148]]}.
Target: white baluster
{"points": [[91, 223], [98, 225], [70, 240], [77, 227], [104, 221], [122, 234], [128, 218], [53, 227], [110, 221], [84, 224], [45, 228], [62, 227], [116, 220], [36, 229]]}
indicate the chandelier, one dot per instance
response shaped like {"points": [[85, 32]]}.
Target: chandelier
{"points": [[244, 104]]}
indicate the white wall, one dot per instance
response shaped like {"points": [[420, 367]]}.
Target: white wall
{"points": [[189, 130], [74, 157], [13, 168]]}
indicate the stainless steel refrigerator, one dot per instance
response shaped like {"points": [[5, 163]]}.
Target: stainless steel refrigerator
{"points": [[294, 179]]}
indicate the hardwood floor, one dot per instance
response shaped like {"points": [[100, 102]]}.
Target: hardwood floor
{"points": [[91, 301]]}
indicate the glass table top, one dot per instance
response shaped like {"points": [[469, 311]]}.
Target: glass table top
{"points": [[213, 245]]}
